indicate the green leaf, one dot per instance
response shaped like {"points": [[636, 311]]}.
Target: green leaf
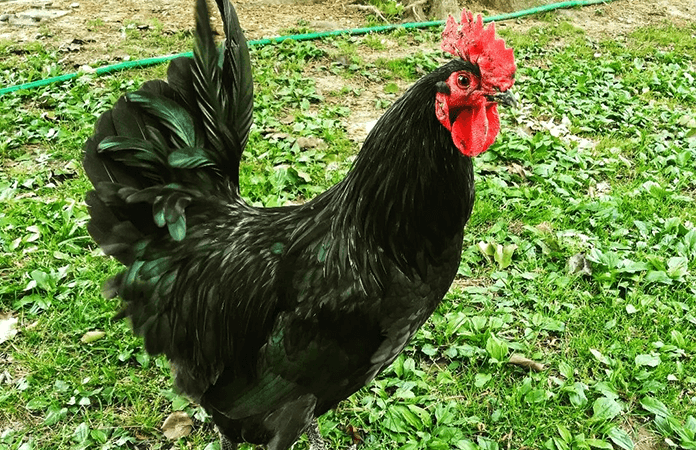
{"points": [[503, 255], [677, 267], [629, 266], [655, 189], [566, 369], [81, 433], [600, 357], [429, 349], [409, 446], [480, 379], [688, 445], [496, 348], [401, 419], [99, 435], [179, 403], [691, 424], [486, 248], [555, 443], [143, 359], [688, 244], [655, 406], [620, 438], [598, 443], [304, 175], [564, 433], [55, 415], [487, 444], [678, 338], [535, 396], [551, 324], [465, 444], [648, 360], [61, 386], [478, 323], [410, 418], [43, 280], [667, 425], [37, 403], [391, 88], [445, 413], [605, 408], [423, 415], [658, 276], [576, 394]]}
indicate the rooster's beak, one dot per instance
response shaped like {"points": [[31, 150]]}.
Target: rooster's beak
{"points": [[503, 98]]}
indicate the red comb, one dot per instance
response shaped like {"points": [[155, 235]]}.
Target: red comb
{"points": [[478, 45]]}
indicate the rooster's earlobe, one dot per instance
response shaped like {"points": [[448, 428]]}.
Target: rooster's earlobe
{"points": [[443, 88]]}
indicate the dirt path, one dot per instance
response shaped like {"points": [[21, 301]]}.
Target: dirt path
{"points": [[63, 23]]}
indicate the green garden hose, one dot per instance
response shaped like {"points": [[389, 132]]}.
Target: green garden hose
{"points": [[298, 37]]}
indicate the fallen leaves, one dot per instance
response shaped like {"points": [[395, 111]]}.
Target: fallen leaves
{"points": [[8, 327], [92, 336], [521, 361], [177, 425]]}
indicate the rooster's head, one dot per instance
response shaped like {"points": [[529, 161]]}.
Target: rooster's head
{"points": [[466, 102]]}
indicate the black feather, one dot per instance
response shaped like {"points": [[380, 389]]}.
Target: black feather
{"points": [[237, 69], [175, 117]]}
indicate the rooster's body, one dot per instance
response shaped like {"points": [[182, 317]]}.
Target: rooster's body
{"points": [[272, 316]]}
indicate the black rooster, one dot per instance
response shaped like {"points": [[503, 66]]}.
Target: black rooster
{"points": [[270, 317]]}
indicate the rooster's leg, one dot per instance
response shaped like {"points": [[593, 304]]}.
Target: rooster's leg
{"points": [[226, 444], [316, 442]]}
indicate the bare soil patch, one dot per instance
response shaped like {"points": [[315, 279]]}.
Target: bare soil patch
{"points": [[90, 29]]}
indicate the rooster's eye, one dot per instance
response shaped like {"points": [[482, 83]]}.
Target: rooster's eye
{"points": [[463, 81]]}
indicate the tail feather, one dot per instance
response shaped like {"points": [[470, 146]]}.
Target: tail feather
{"points": [[116, 236], [125, 120], [180, 79], [236, 66], [208, 84], [171, 142]]}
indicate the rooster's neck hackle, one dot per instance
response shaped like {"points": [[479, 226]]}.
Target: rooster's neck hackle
{"points": [[410, 189]]}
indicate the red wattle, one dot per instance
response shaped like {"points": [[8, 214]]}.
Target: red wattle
{"points": [[474, 129], [471, 131], [493, 124]]}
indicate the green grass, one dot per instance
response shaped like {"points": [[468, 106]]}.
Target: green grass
{"points": [[598, 161]]}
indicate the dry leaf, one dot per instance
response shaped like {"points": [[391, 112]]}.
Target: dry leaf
{"points": [[92, 336], [311, 142], [8, 327], [545, 227], [520, 360], [516, 169], [579, 264], [5, 377], [177, 425]]}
